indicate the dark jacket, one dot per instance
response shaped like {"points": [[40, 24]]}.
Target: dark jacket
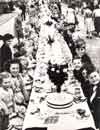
{"points": [[78, 75], [95, 104], [5, 55], [86, 59]]}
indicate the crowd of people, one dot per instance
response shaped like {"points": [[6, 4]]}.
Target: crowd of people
{"points": [[45, 38]]}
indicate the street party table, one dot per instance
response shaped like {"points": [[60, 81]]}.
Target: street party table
{"points": [[53, 65], [41, 117]]}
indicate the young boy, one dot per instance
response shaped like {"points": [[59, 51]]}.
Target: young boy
{"points": [[94, 80]]}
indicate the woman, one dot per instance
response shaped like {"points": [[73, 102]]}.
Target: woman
{"points": [[89, 22]]}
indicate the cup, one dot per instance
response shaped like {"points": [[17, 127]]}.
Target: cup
{"points": [[77, 93], [81, 112]]}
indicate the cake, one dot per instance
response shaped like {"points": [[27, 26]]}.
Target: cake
{"points": [[59, 100]]}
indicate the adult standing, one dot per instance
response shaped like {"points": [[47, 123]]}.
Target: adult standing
{"points": [[96, 14], [18, 27], [88, 21], [5, 50], [71, 16], [23, 8]]}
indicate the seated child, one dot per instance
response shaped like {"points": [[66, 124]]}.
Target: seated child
{"points": [[26, 77], [4, 118], [80, 49], [81, 74], [94, 80], [6, 99], [77, 65], [85, 82]]}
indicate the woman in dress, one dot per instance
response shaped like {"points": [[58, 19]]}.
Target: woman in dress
{"points": [[88, 22]]}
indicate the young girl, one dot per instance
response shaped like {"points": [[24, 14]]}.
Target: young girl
{"points": [[80, 49], [20, 94]]}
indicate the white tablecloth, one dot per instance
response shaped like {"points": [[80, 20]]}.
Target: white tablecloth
{"points": [[69, 120]]}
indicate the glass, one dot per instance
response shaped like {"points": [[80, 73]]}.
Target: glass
{"points": [[77, 92], [53, 89], [81, 112], [78, 96]]}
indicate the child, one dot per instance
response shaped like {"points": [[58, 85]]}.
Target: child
{"points": [[77, 65], [6, 98], [85, 82], [80, 49], [94, 80], [26, 77]]}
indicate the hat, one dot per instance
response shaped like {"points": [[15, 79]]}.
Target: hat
{"points": [[8, 36]]}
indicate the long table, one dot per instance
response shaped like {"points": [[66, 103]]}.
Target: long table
{"points": [[68, 119]]}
